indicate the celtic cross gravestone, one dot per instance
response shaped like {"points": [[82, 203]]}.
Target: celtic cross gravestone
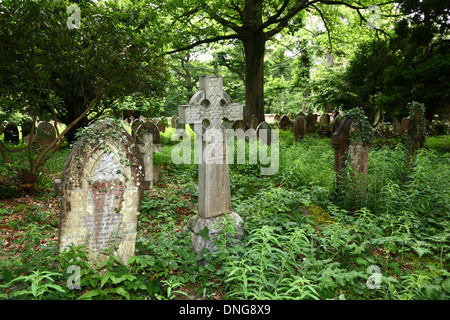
{"points": [[206, 110]]}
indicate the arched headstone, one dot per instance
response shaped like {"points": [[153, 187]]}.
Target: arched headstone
{"points": [[264, 133], [45, 133], [285, 123], [100, 192], [299, 127], [148, 127], [253, 122], [11, 133]]}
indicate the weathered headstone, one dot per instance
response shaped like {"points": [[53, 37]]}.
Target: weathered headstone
{"points": [[404, 124], [416, 129], [45, 133], [310, 122], [211, 103], [148, 139], [264, 133], [179, 125], [324, 119], [155, 120], [161, 126], [277, 118], [173, 121], [285, 123], [353, 152], [396, 125], [11, 133], [299, 127], [134, 126], [239, 124], [253, 122], [100, 192]]}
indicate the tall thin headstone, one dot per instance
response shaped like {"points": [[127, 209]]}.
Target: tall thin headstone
{"points": [[100, 192], [415, 137], [264, 133], [211, 104], [354, 153], [173, 122], [299, 127], [310, 122]]}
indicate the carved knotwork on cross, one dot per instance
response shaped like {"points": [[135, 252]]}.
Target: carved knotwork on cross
{"points": [[212, 104]]}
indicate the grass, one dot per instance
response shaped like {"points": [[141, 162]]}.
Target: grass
{"points": [[394, 246]]}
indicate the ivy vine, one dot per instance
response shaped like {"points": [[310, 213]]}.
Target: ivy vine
{"points": [[364, 132]]}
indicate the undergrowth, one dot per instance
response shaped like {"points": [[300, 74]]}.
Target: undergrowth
{"points": [[394, 246]]}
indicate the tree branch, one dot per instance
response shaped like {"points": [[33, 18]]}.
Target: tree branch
{"points": [[326, 25], [273, 18], [196, 43], [282, 22], [55, 143]]}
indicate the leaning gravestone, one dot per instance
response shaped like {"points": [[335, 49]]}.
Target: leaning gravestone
{"points": [[46, 133], [214, 201], [299, 127], [11, 133], [100, 192]]}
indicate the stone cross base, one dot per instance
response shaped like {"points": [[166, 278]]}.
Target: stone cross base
{"points": [[197, 224]]}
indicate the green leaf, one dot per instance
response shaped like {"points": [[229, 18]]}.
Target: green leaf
{"points": [[105, 278], [7, 275], [446, 285], [88, 295], [122, 292], [205, 233]]}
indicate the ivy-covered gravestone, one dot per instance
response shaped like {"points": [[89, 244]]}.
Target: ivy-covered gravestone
{"points": [[415, 136], [100, 192], [351, 139]]}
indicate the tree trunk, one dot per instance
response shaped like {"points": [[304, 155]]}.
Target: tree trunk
{"points": [[254, 46]]}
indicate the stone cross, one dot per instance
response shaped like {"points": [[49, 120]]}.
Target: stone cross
{"points": [[212, 104], [147, 149]]}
